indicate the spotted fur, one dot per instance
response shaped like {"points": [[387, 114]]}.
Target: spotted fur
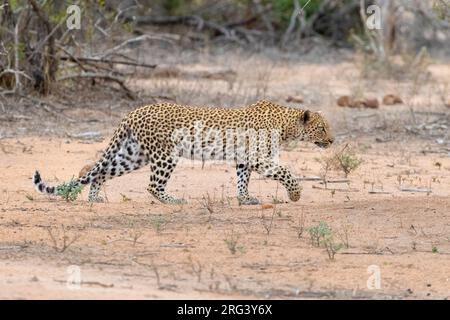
{"points": [[146, 137]]}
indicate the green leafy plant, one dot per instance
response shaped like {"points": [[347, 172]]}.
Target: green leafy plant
{"points": [[318, 232], [159, 223], [322, 235], [344, 160], [232, 243], [69, 191], [348, 161], [331, 246]]}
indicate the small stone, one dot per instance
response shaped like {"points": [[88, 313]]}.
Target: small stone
{"points": [[371, 103], [391, 99], [295, 99], [358, 103], [344, 101]]}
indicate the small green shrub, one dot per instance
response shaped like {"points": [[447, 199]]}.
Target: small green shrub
{"points": [[322, 235], [159, 223], [331, 247], [318, 232], [232, 243], [69, 191], [347, 161]]}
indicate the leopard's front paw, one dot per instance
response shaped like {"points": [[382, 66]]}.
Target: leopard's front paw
{"points": [[96, 199], [248, 201], [295, 195], [176, 201], [168, 199]]}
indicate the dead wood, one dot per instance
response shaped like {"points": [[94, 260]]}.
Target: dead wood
{"points": [[79, 61], [379, 192], [105, 76], [145, 37], [335, 189], [193, 21], [424, 190]]}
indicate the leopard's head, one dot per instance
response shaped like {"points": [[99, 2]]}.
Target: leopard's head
{"points": [[316, 129]]}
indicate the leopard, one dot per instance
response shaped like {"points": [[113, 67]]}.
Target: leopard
{"points": [[160, 134]]}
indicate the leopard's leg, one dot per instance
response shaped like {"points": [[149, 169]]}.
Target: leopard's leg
{"points": [[95, 188], [243, 173], [162, 166], [121, 158], [269, 169]]}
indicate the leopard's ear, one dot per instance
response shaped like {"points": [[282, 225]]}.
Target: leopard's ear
{"points": [[306, 116]]}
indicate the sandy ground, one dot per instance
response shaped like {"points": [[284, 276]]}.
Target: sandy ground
{"points": [[135, 247]]}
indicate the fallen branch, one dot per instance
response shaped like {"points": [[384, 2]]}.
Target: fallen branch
{"points": [[71, 58], [310, 178], [103, 76], [162, 37], [96, 283], [46, 106], [104, 60], [16, 73], [322, 180], [435, 151], [89, 283], [9, 118], [335, 181], [379, 192], [424, 190], [194, 21], [334, 189], [260, 12], [86, 135]]}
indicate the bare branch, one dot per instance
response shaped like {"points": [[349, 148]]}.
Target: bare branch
{"points": [[105, 76], [162, 37], [104, 60], [17, 85]]}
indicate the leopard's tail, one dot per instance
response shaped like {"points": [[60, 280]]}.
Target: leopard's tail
{"points": [[44, 188], [121, 133]]}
